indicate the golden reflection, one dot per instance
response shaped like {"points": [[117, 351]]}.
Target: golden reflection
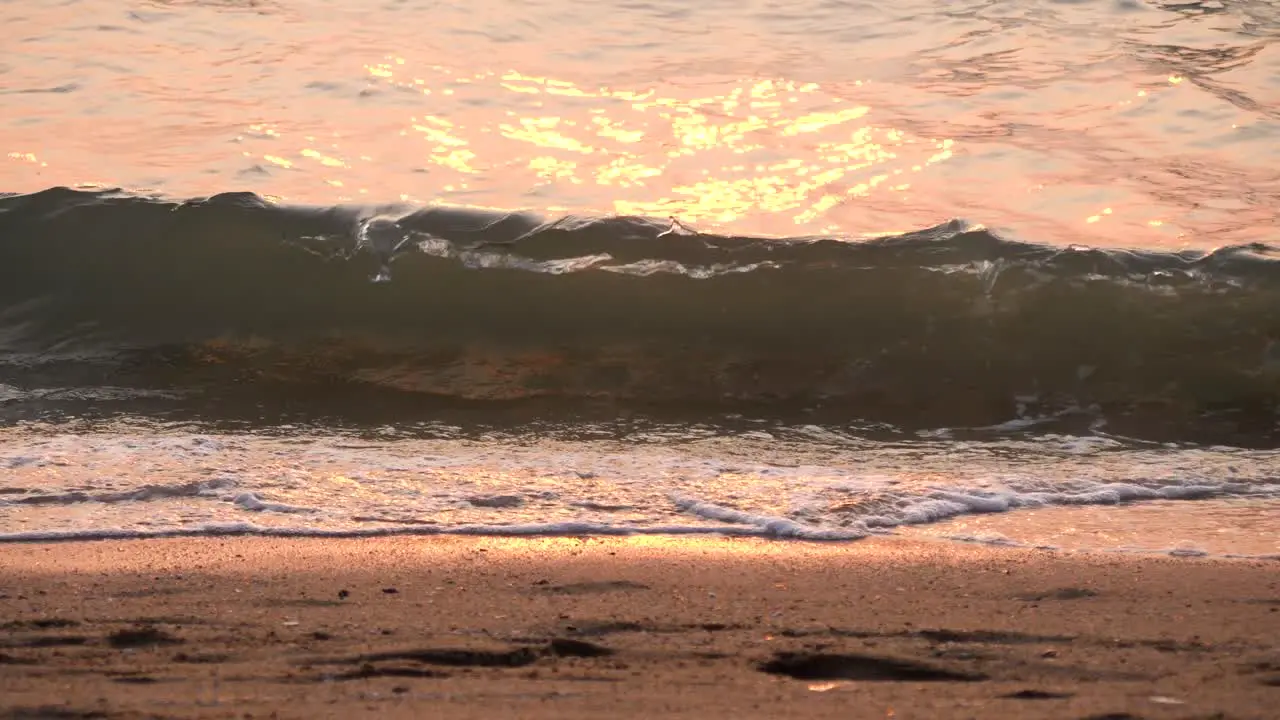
{"points": [[550, 168], [785, 156], [448, 150], [542, 131], [27, 157], [263, 130], [625, 173], [323, 159], [819, 121], [614, 131]]}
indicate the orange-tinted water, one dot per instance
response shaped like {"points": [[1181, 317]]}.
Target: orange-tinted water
{"points": [[1117, 122], [1214, 527], [1136, 123]]}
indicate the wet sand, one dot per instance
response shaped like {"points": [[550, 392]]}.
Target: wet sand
{"points": [[645, 627]]}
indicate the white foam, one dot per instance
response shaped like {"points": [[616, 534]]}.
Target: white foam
{"points": [[141, 494], [762, 484], [766, 526], [561, 529], [943, 504], [250, 501]]}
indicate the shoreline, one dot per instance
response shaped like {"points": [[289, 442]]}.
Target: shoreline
{"points": [[629, 627], [923, 534]]}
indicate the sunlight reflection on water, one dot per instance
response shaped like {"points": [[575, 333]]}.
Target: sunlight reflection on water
{"points": [[1124, 123]]}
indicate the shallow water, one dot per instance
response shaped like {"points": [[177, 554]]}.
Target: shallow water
{"points": [[803, 482], [1208, 527], [552, 267]]}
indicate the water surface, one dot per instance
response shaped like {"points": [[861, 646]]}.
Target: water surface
{"points": [[1115, 122], [984, 271]]}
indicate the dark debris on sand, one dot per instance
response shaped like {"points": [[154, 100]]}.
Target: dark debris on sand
{"points": [[830, 666], [140, 637]]}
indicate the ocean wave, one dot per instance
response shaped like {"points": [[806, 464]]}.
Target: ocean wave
{"points": [[949, 325]]}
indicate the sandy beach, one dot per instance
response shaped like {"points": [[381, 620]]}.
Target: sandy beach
{"points": [[670, 627]]}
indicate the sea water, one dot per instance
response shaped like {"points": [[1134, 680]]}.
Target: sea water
{"points": [[977, 271]]}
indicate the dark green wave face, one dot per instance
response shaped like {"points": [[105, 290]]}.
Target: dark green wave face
{"points": [[363, 309]]}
